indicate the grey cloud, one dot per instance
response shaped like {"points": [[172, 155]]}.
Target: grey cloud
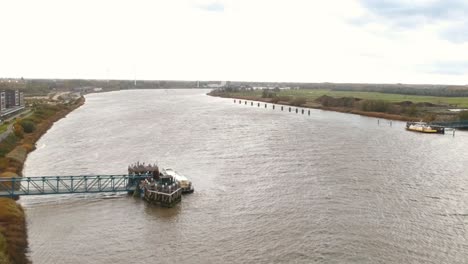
{"points": [[213, 7], [403, 15], [411, 13]]}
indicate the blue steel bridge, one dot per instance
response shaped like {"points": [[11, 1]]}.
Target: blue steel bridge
{"points": [[14, 187]]}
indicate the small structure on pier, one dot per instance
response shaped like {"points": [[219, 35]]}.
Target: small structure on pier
{"points": [[156, 188]]}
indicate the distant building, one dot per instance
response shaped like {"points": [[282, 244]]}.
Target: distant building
{"points": [[21, 99], [2, 101], [12, 98]]}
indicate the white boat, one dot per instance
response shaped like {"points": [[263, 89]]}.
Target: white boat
{"points": [[184, 182]]}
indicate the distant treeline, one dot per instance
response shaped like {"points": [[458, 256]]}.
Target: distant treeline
{"points": [[40, 87], [32, 87], [444, 91], [408, 89]]}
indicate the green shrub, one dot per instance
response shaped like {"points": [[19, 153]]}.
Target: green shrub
{"points": [[298, 101], [463, 115], [8, 144], [18, 130], [274, 100], [18, 154], [3, 246], [28, 126], [374, 106], [411, 111], [284, 98], [267, 93]]}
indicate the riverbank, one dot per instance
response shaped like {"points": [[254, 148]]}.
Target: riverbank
{"points": [[13, 153], [385, 106]]}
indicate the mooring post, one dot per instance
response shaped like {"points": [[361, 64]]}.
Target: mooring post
{"points": [[296, 110], [273, 107], [234, 100], [281, 108], [251, 103], [245, 102], [265, 105], [308, 112], [302, 111], [378, 122], [454, 132], [240, 101], [289, 109], [258, 104], [390, 122]]}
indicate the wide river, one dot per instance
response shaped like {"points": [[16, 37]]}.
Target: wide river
{"points": [[271, 186]]}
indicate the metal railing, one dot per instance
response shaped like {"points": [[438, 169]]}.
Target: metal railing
{"points": [[455, 124], [11, 187]]}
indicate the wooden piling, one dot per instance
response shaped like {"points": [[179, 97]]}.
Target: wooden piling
{"points": [[281, 108], [302, 111], [265, 105], [273, 107], [308, 112]]}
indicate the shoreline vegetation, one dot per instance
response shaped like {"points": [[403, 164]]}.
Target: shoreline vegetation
{"points": [[401, 107], [27, 130]]}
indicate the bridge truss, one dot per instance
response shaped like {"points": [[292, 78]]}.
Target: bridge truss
{"points": [[13, 187]]}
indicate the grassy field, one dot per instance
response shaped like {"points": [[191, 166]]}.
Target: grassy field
{"points": [[3, 127], [312, 94]]}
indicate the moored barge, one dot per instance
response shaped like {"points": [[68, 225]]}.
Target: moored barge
{"points": [[163, 187], [423, 127]]}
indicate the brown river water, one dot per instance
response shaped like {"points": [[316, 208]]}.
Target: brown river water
{"points": [[271, 186]]}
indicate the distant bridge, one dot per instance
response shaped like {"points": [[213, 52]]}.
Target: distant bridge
{"points": [[13, 187], [455, 124]]}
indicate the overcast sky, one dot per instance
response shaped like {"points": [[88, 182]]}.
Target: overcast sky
{"points": [[378, 41]]}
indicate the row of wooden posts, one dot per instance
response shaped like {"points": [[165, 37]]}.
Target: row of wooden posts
{"points": [[273, 106]]}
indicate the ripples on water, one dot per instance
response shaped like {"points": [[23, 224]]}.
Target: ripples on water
{"points": [[271, 186]]}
